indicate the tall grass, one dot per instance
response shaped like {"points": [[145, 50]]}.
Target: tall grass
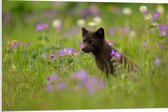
{"points": [[25, 72]]}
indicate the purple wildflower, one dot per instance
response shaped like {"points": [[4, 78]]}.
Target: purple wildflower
{"points": [[71, 51], [28, 44], [163, 29], [157, 61], [81, 45], [52, 56], [115, 53], [41, 26], [53, 77], [48, 87], [125, 29], [43, 56], [111, 31], [80, 75], [65, 50], [94, 10], [78, 53], [118, 54], [110, 43], [146, 12], [61, 53], [85, 13], [163, 33], [144, 44], [14, 45], [61, 86], [161, 46], [93, 85], [112, 52], [155, 15]]}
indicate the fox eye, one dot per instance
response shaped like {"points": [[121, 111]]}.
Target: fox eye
{"points": [[84, 40]]}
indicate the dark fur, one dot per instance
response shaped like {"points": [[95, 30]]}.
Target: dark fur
{"points": [[95, 43]]}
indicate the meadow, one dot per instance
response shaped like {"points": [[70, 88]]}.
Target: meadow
{"points": [[44, 68]]}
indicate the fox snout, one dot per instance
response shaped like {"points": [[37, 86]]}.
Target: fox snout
{"points": [[84, 48]]}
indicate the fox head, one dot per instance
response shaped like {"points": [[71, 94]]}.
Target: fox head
{"points": [[92, 40]]}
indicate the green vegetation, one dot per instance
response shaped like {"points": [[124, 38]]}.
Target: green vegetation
{"points": [[31, 55]]}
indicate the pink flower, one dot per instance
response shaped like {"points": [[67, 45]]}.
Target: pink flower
{"points": [[52, 56], [157, 61], [61, 86]]}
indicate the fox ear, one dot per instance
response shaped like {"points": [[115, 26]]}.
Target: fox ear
{"points": [[100, 32], [84, 31]]}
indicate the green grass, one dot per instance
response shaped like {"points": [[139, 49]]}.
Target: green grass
{"points": [[24, 72]]}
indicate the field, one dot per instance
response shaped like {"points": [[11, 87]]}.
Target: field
{"points": [[44, 68]]}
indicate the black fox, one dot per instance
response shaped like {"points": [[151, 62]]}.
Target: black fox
{"points": [[94, 42]]}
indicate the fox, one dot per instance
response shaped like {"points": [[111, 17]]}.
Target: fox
{"points": [[94, 42]]}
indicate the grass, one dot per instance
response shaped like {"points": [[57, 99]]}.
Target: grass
{"points": [[25, 73]]}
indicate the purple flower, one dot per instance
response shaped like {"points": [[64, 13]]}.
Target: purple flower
{"points": [[48, 87], [118, 54], [157, 61], [81, 45], [71, 51], [28, 44], [94, 10], [52, 56], [93, 85], [14, 45], [53, 77], [61, 86], [43, 56], [161, 46], [65, 50], [85, 13], [155, 15], [111, 31], [80, 75], [125, 29], [146, 12], [78, 53], [115, 53], [163, 29], [41, 26], [110, 43], [163, 33], [61, 53], [112, 52], [144, 44]]}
